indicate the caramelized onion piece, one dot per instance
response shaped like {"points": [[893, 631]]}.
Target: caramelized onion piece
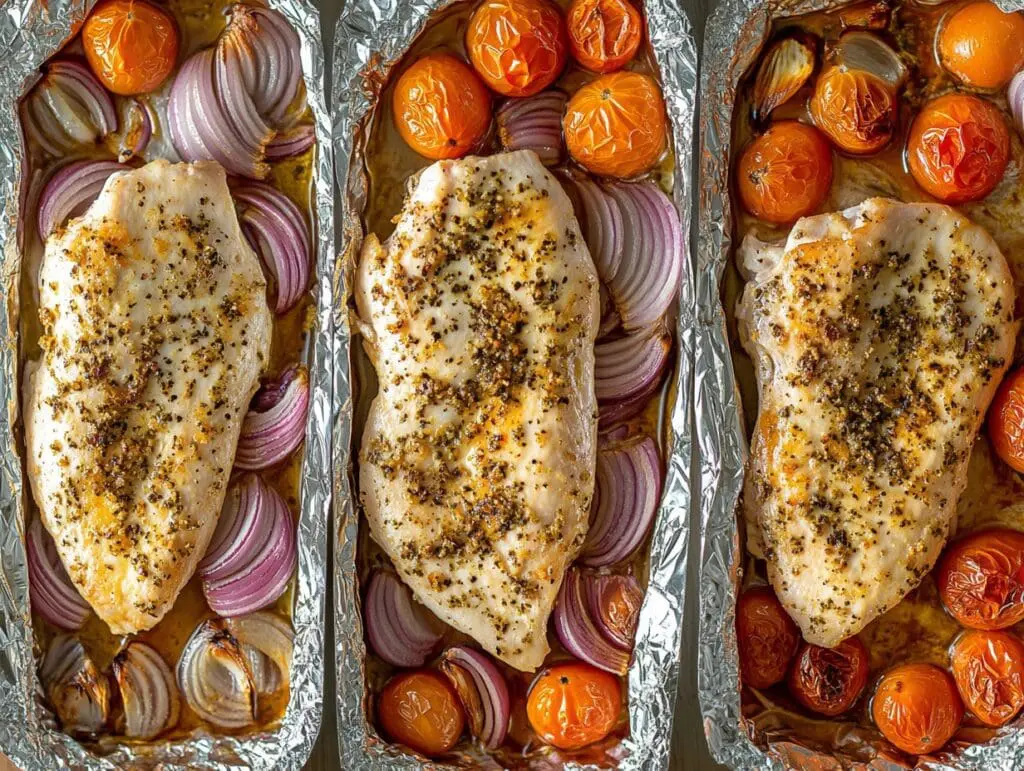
{"points": [[148, 691], [866, 51], [215, 678], [267, 641], [78, 691], [784, 70]]}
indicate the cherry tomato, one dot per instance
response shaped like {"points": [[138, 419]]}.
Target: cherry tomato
{"points": [[442, 109], [829, 680], [917, 708], [615, 125], [989, 671], [1006, 420], [767, 636], [573, 705], [958, 148], [981, 45], [856, 109], [604, 34], [421, 710], [519, 47], [131, 45], [785, 173], [981, 579]]}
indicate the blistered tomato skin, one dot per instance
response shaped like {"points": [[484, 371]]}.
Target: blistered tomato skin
{"points": [[917, 708], [981, 45], [856, 109], [573, 705], [829, 680], [989, 671], [615, 126], [604, 35], [981, 579], [1006, 420], [421, 710], [519, 47], [767, 637], [958, 148], [131, 45]]}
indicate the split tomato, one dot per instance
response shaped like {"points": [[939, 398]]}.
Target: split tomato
{"points": [[573, 705], [982, 45], [829, 680], [856, 109], [421, 710], [131, 45], [604, 34], [767, 637], [1006, 420], [917, 708], [981, 579], [989, 671]]}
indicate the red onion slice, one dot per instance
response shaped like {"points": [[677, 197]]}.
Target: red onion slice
{"points": [[1015, 98], [148, 693], [627, 372], [215, 679], [626, 496], [78, 691], [275, 424], [583, 633], [614, 602], [534, 123], [71, 191], [601, 222], [483, 692], [68, 107], [292, 142], [51, 592], [138, 130], [399, 629]]}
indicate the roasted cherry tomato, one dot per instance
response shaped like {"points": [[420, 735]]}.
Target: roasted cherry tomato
{"points": [[421, 710], [857, 110], [989, 671], [829, 680], [615, 125], [519, 47], [958, 148], [917, 708], [981, 579], [767, 637], [573, 705], [1006, 420], [981, 45], [131, 45], [442, 109], [785, 173], [604, 34]]}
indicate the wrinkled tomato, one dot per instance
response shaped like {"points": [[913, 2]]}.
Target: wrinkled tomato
{"points": [[958, 148], [131, 45], [421, 710], [981, 579], [785, 173], [856, 109], [1006, 420], [989, 671], [982, 45], [519, 47], [767, 637], [604, 34], [573, 705], [917, 708], [442, 109], [615, 125], [829, 680]]}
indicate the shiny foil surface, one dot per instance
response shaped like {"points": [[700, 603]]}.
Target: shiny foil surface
{"points": [[31, 31], [735, 34], [371, 37]]}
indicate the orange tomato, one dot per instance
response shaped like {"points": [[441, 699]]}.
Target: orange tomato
{"points": [[981, 579], [981, 45], [856, 109], [131, 45], [604, 34], [829, 680], [785, 173], [421, 710], [989, 671], [616, 126], [958, 148], [442, 109], [917, 708], [518, 46], [1006, 420], [767, 637], [573, 705]]}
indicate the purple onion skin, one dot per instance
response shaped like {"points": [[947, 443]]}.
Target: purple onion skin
{"points": [[275, 424]]}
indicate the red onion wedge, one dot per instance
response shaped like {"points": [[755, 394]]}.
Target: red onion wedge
{"points": [[399, 629], [68, 108], [52, 594], [275, 424], [625, 501], [600, 221], [148, 692], [595, 618], [293, 141], [277, 232], [627, 372], [534, 123], [1015, 98], [138, 130], [214, 677], [78, 691], [483, 692], [266, 639], [252, 554], [71, 191]]}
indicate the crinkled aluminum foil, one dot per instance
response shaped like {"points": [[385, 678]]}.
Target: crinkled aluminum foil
{"points": [[371, 36], [733, 39], [30, 32]]}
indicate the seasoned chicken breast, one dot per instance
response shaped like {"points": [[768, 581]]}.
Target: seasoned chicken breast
{"points": [[155, 331], [477, 460], [880, 334]]}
